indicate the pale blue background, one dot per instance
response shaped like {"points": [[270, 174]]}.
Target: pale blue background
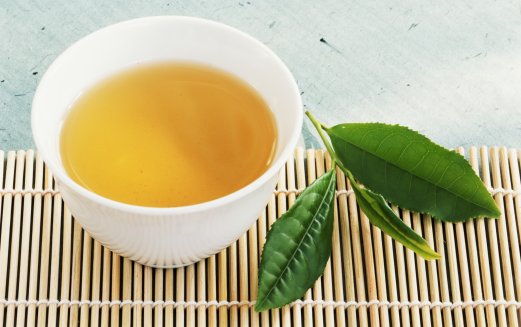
{"points": [[450, 69]]}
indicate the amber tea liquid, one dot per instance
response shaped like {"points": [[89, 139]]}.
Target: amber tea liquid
{"points": [[168, 134]]}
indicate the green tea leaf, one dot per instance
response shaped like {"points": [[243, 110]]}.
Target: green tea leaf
{"points": [[383, 217], [411, 171], [298, 246]]}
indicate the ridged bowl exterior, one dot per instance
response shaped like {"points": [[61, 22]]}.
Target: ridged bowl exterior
{"points": [[168, 240]]}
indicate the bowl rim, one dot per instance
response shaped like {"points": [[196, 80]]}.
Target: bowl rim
{"points": [[63, 178]]}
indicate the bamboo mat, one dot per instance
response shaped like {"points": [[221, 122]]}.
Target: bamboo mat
{"points": [[53, 273]]}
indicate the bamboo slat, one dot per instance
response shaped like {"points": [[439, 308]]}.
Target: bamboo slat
{"points": [[52, 272]]}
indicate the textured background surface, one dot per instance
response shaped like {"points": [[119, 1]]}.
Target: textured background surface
{"points": [[450, 70]]}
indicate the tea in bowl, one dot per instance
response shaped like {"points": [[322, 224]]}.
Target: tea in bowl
{"points": [[166, 134]]}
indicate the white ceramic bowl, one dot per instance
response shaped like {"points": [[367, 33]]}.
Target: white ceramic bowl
{"points": [[165, 237]]}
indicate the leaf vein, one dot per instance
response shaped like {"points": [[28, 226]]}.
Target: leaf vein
{"points": [[326, 196], [419, 177]]}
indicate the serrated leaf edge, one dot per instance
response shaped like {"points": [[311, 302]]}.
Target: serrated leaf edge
{"points": [[425, 251], [260, 305], [495, 214]]}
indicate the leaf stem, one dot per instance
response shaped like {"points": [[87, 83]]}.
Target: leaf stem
{"points": [[320, 129]]}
